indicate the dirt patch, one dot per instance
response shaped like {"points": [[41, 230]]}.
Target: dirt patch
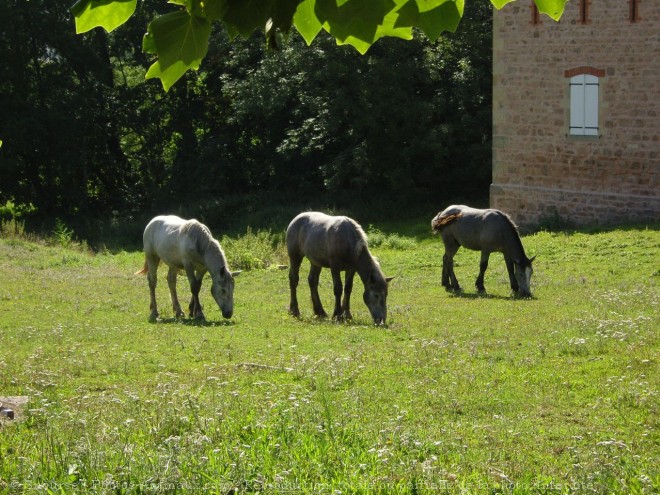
{"points": [[12, 408]]}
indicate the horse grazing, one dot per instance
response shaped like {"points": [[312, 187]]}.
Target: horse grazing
{"points": [[340, 244], [187, 245], [486, 231]]}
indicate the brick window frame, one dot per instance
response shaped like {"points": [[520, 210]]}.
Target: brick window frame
{"points": [[633, 8], [584, 101], [584, 11], [536, 15]]}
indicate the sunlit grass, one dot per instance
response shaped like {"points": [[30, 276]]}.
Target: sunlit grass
{"points": [[460, 393]]}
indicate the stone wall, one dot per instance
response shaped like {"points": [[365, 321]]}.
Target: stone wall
{"points": [[539, 171]]}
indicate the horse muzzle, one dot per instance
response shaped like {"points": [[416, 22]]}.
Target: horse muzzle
{"points": [[379, 320], [227, 314]]}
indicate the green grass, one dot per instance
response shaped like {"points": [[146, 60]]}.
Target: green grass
{"points": [[459, 394]]}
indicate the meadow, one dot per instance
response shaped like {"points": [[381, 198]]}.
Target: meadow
{"points": [[458, 394]]}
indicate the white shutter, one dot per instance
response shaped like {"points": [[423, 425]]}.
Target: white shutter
{"points": [[584, 105], [577, 105], [591, 106]]}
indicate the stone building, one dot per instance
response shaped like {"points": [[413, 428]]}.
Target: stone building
{"points": [[576, 113]]}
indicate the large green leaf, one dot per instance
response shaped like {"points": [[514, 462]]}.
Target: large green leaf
{"points": [[386, 28], [552, 8], [306, 22], [355, 18], [242, 17], [180, 41], [108, 14], [431, 16]]}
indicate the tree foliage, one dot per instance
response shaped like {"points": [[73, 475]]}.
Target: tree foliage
{"points": [[180, 38], [253, 132]]}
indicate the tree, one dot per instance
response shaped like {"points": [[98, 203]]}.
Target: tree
{"points": [[253, 133], [62, 149], [180, 38]]}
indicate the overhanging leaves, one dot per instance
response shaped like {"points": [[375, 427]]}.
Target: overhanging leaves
{"points": [[243, 17], [181, 42], [431, 16], [108, 14], [552, 8], [306, 22], [180, 39]]}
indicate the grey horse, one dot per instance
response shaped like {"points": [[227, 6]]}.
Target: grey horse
{"points": [[187, 245], [338, 243], [486, 231]]}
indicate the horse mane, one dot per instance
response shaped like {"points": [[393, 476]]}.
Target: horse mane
{"points": [[361, 242], [514, 227], [202, 237], [439, 222]]}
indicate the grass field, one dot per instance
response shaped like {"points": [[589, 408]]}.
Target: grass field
{"points": [[460, 394]]}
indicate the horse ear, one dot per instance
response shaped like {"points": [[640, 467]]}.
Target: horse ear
{"points": [[389, 279], [236, 273], [532, 259]]}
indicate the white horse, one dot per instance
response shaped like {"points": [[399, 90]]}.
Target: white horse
{"points": [[187, 245]]}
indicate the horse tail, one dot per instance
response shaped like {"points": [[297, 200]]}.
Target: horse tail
{"points": [[442, 221], [145, 269]]}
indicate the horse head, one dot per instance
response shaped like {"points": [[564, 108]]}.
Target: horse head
{"points": [[222, 290], [523, 271], [375, 296]]}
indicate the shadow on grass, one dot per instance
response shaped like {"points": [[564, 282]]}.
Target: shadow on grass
{"points": [[333, 322], [193, 322], [483, 295]]}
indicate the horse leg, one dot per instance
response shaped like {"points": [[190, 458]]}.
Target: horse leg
{"points": [[449, 280], [171, 282], [482, 271], [338, 291], [348, 288], [512, 275], [313, 279], [152, 278], [294, 277], [195, 285], [194, 300], [445, 271]]}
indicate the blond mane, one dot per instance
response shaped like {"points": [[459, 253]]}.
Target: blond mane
{"points": [[202, 237]]}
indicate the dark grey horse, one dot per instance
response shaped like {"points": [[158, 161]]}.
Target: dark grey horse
{"points": [[340, 244], [486, 231]]}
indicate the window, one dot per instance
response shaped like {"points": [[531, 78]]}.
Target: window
{"points": [[536, 16], [584, 11], [584, 105], [634, 10]]}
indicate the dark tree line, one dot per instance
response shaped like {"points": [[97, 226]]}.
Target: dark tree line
{"points": [[255, 133]]}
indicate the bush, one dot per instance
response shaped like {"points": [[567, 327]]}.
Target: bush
{"points": [[378, 238], [254, 250]]}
